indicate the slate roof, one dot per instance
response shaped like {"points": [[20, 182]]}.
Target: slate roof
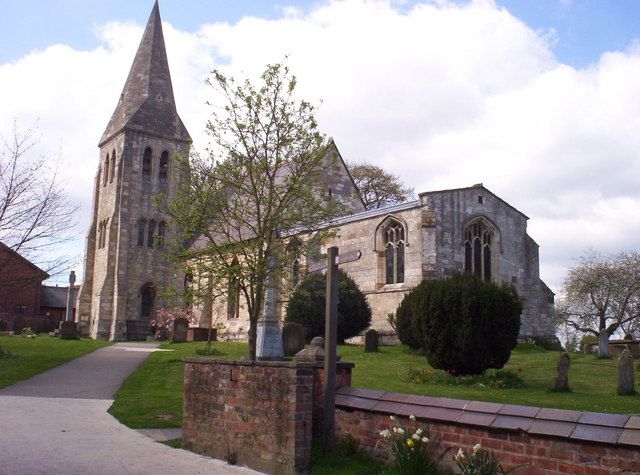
{"points": [[147, 103], [52, 296]]}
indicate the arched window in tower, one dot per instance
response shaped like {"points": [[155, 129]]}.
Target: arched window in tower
{"points": [[100, 234], [147, 300], [142, 227], [394, 243], [163, 172], [151, 230], [478, 241], [161, 228], [112, 171], [105, 177], [233, 293], [146, 164]]}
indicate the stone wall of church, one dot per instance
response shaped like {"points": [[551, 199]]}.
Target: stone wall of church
{"points": [[514, 261]]}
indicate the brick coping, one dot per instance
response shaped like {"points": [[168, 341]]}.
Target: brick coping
{"points": [[267, 363], [603, 428]]}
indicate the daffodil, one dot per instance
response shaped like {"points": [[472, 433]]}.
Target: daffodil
{"points": [[409, 443], [412, 417]]}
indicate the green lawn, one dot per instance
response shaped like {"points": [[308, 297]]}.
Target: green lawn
{"points": [[30, 356], [152, 396]]}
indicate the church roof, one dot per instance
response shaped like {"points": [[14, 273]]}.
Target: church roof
{"points": [[147, 103]]}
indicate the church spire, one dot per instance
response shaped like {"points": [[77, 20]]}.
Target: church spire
{"points": [[147, 103]]}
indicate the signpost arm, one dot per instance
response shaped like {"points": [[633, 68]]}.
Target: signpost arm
{"points": [[330, 341]]}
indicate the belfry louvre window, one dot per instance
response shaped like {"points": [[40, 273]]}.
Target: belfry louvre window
{"points": [[142, 227], [394, 243], [146, 164], [163, 172], [478, 239]]}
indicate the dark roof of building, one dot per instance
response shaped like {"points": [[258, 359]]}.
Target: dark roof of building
{"points": [[147, 103], [15, 254], [53, 296]]}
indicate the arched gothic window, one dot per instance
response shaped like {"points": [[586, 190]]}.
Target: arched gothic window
{"points": [[142, 227], [146, 164], [293, 257], [478, 241], [151, 230], [112, 171], [161, 229], [163, 172], [394, 244], [147, 299], [105, 178], [233, 293]]}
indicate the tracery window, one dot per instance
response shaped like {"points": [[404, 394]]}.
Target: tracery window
{"points": [[478, 239], [146, 164], [105, 178], [293, 255], [163, 171], [394, 243], [233, 293]]}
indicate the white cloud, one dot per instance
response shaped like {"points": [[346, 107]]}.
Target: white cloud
{"points": [[442, 94]]}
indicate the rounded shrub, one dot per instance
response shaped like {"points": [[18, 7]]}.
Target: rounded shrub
{"points": [[464, 325], [407, 316], [307, 306]]}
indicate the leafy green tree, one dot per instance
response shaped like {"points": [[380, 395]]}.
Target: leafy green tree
{"points": [[260, 179], [307, 306]]}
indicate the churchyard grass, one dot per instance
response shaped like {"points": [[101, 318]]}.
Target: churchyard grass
{"points": [[29, 356], [152, 396]]}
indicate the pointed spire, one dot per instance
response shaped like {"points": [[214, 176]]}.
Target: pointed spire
{"points": [[147, 103]]}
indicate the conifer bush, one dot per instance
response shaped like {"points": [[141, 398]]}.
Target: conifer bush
{"points": [[464, 325], [307, 306]]}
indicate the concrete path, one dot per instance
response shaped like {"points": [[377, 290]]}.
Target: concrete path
{"points": [[57, 423]]}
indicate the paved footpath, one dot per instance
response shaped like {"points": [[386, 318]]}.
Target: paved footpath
{"points": [[57, 423]]}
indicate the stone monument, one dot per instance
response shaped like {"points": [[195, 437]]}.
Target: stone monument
{"points": [[68, 329], [562, 377], [371, 341], [292, 338], [269, 338], [626, 383]]}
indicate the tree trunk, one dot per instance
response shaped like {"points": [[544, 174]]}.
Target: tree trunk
{"points": [[253, 331], [603, 343]]}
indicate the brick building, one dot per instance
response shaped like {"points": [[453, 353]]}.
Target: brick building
{"points": [[20, 284]]}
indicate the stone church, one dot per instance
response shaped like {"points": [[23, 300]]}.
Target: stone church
{"points": [[466, 229]]}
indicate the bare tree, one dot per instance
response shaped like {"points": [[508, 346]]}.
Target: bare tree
{"points": [[35, 215], [378, 187], [260, 180], [601, 295]]}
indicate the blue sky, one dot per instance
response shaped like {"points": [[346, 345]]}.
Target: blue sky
{"points": [[584, 28]]}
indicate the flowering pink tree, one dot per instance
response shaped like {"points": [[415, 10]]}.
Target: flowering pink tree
{"points": [[165, 319]]}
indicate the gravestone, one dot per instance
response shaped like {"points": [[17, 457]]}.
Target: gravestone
{"points": [[371, 341], [68, 331], [180, 329], [626, 383], [562, 377], [292, 338]]}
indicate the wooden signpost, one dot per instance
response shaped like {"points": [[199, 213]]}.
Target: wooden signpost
{"points": [[330, 338]]}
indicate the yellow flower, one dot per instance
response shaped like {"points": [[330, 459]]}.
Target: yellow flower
{"points": [[410, 442]]}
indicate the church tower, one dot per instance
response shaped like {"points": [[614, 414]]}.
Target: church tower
{"points": [[126, 267]]}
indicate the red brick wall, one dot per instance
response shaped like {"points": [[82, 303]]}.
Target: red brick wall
{"points": [[543, 455], [259, 413], [20, 283]]}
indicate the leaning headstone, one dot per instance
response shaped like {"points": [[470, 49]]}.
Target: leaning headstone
{"points": [[371, 341], [562, 377], [68, 331], [180, 329], [292, 338], [626, 383]]}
